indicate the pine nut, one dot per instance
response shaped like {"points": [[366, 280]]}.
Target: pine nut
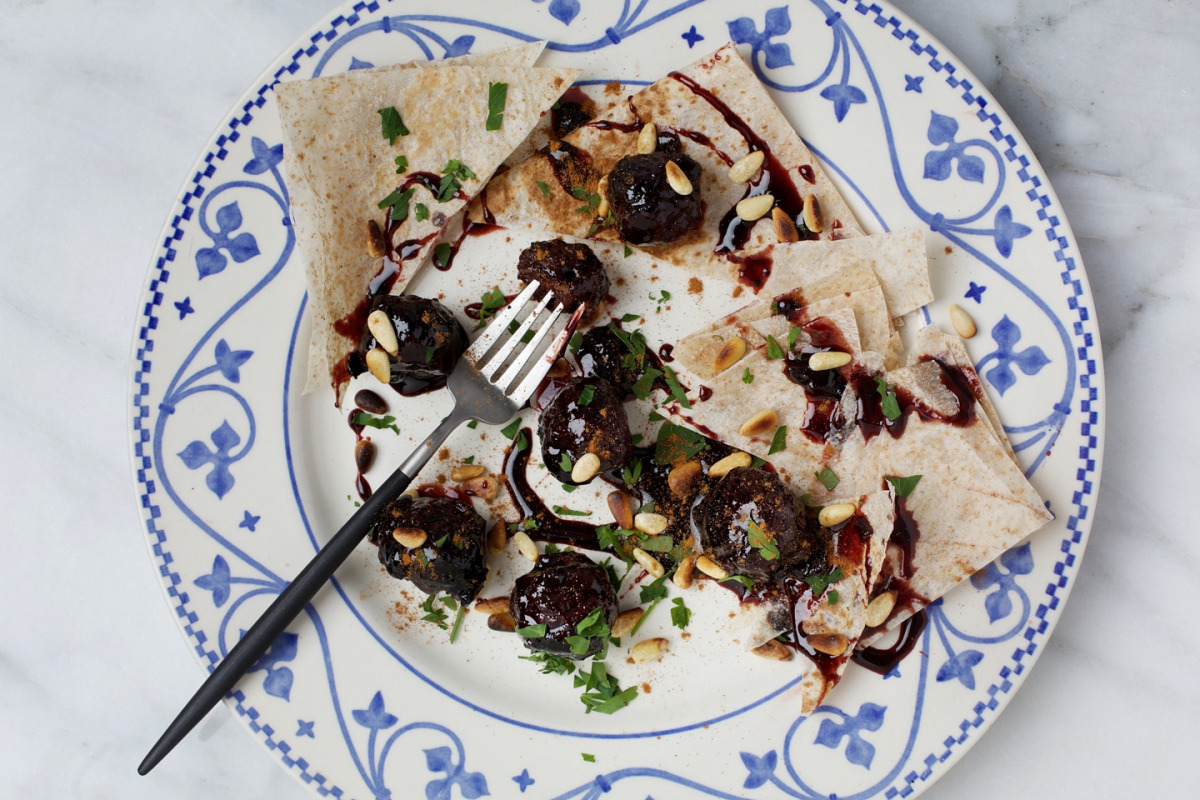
{"points": [[413, 493], [728, 463], [502, 621], [785, 229], [585, 468], [649, 650], [685, 572], [682, 478], [812, 213], [370, 402], [621, 507], [648, 562], [828, 359], [831, 644], [497, 538], [492, 605], [411, 538], [747, 167], [375, 244], [485, 487], [525, 545], [760, 423], [466, 472], [602, 190], [650, 523], [678, 180], [559, 369], [380, 326], [836, 513], [364, 454], [647, 141], [964, 326], [879, 609], [378, 364], [711, 568], [730, 353], [774, 650], [752, 208], [625, 621]]}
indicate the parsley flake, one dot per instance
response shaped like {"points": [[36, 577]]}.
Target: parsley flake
{"points": [[401, 164], [510, 430], [819, 583], [570, 512], [774, 349], [442, 254], [828, 478], [676, 444], [497, 97], [747, 376], [532, 631], [545, 189], [904, 486], [792, 334], [676, 387], [890, 405], [398, 202], [565, 464], [759, 540], [586, 394], [369, 421], [779, 440], [588, 757], [421, 212], [492, 301], [832, 597], [392, 126], [628, 251]]}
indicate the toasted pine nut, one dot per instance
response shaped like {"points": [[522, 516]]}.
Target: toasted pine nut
{"points": [[879, 609], [497, 538], [752, 208], [525, 545], [377, 363], [364, 454], [774, 650], [492, 605], [812, 213], [411, 538], [711, 568], [559, 369], [602, 190], [785, 229], [502, 621], [622, 508], [647, 141], [730, 353], [682, 477], [678, 181], [729, 462], [684, 572], [649, 522], [585, 468], [836, 513], [831, 644], [828, 359], [413, 493], [625, 621], [648, 562], [964, 326], [649, 650], [485, 487], [760, 423], [466, 472], [746, 167], [375, 244], [380, 326]]}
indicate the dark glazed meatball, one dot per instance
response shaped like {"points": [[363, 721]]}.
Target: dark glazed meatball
{"points": [[647, 209], [559, 592], [586, 416], [570, 270], [451, 557], [602, 355], [430, 338], [748, 524]]}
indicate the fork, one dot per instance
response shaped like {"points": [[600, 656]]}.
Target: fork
{"points": [[485, 387]]}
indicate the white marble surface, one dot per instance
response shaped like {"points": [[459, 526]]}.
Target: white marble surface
{"points": [[106, 105]]}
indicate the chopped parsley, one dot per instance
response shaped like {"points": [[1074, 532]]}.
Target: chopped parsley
{"points": [[760, 541], [586, 394], [551, 664], [532, 631], [391, 124], [369, 421], [631, 317], [681, 615], [568, 488], [453, 174], [435, 615], [792, 334], [575, 342], [655, 590], [632, 472], [545, 189], [521, 442], [601, 692], [643, 387], [497, 97], [473, 424], [429, 351], [890, 405], [676, 444], [510, 430], [832, 597], [774, 349], [421, 212], [747, 583], [747, 376], [819, 583], [588, 757], [904, 486], [635, 343], [565, 463], [663, 297], [570, 512], [828, 478], [591, 201], [401, 164], [628, 251], [655, 544], [398, 202], [779, 440], [592, 626], [492, 301], [676, 387]]}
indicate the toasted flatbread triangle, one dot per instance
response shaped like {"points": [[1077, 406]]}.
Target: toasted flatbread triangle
{"points": [[530, 196], [338, 167]]}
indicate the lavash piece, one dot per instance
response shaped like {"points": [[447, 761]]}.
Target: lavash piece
{"points": [[338, 167], [898, 260], [516, 199]]}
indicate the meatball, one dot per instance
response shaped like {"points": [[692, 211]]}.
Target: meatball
{"points": [[559, 592], [647, 209], [586, 416], [602, 355], [748, 524], [450, 559], [429, 340], [568, 269]]}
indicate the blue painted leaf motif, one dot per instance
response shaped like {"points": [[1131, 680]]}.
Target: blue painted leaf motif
{"points": [[265, 157], [858, 750], [961, 666], [843, 95], [216, 581], [228, 360], [229, 218], [209, 261], [1019, 560], [374, 716], [243, 247], [564, 11], [1030, 361], [473, 785], [938, 163], [195, 455], [942, 129], [1007, 231], [460, 46], [743, 30], [761, 769], [225, 437], [437, 759], [998, 605], [778, 55], [777, 21], [970, 168], [278, 682], [358, 63]]}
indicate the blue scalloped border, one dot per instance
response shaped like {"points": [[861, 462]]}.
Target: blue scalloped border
{"points": [[1086, 476]]}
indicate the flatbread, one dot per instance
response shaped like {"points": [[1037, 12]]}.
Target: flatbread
{"points": [[531, 197], [338, 167]]}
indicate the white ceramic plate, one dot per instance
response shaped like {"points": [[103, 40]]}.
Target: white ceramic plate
{"points": [[240, 477]]}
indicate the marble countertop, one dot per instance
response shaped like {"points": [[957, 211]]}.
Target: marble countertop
{"points": [[107, 105]]}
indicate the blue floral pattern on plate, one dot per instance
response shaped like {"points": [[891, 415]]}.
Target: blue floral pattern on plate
{"points": [[965, 176]]}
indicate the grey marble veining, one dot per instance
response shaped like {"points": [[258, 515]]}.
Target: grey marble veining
{"points": [[107, 105]]}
